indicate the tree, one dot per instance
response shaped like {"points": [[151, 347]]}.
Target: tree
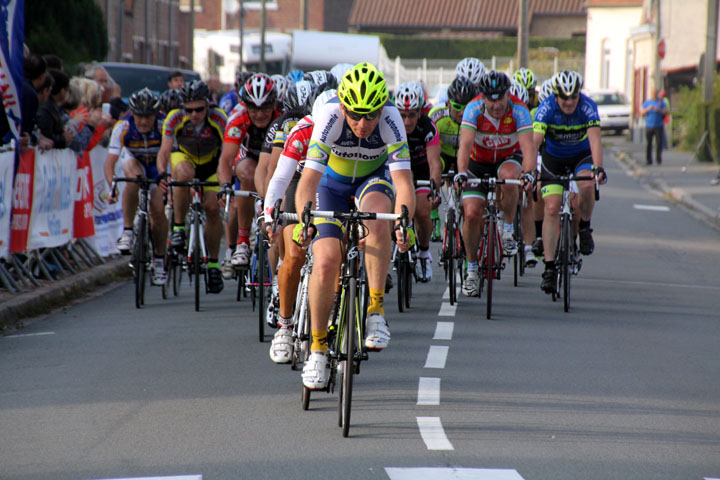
{"points": [[74, 30]]}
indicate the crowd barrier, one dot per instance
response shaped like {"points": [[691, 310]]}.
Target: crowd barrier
{"points": [[54, 217]]}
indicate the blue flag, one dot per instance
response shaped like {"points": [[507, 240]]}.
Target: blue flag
{"points": [[12, 36]]}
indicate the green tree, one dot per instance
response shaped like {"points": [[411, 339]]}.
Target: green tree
{"points": [[74, 30]]}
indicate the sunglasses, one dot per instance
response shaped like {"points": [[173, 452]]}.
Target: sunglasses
{"points": [[359, 116], [457, 106], [412, 114], [268, 107], [195, 110], [567, 97]]}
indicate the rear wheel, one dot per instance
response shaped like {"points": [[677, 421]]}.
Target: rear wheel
{"points": [[349, 355], [261, 292], [566, 266], [490, 259], [140, 261], [401, 267]]}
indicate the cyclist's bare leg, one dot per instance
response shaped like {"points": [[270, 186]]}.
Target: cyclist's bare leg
{"points": [[131, 169], [473, 225], [377, 243], [509, 193], [528, 221], [245, 172], [158, 222], [182, 172], [423, 224], [327, 258], [289, 273], [231, 225], [213, 224], [586, 201], [551, 226]]}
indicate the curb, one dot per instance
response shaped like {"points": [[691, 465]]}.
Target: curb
{"points": [[46, 298], [676, 195]]}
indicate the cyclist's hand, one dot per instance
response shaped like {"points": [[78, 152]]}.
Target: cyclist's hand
{"points": [[460, 180], [222, 194], [601, 175], [259, 207], [528, 180], [299, 236], [163, 179], [269, 234]]}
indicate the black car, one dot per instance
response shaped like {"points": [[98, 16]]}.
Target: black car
{"points": [[135, 76]]}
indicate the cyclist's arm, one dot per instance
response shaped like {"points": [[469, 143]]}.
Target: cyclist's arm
{"points": [[227, 157], [163, 158], [309, 181], [433, 156], [467, 141], [527, 146], [114, 150], [261, 171], [405, 191], [110, 167], [595, 140], [277, 187]]}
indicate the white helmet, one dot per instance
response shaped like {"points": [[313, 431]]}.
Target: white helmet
{"points": [[545, 90], [517, 89], [567, 83], [339, 70], [281, 86], [322, 99], [471, 68], [407, 98]]}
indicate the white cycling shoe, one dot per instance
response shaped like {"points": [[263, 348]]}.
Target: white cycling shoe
{"points": [[316, 371], [378, 335], [241, 257], [282, 345]]}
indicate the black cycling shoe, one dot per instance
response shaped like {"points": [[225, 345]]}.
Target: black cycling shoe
{"points": [[537, 247], [549, 279], [388, 283], [177, 240], [587, 245], [215, 280]]}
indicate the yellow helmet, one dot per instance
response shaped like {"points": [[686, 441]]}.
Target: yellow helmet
{"points": [[362, 89]]}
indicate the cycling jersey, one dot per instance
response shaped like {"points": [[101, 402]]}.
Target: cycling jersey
{"points": [[279, 129], [201, 144], [142, 146], [241, 131], [335, 150], [229, 100], [566, 135], [448, 133], [496, 139], [425, 135]]}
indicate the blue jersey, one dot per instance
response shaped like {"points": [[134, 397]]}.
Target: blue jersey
{"points": [[566, 135], [142, 146], [229, 100]]}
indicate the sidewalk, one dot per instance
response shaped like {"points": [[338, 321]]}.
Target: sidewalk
{"points": [[680, 178]]}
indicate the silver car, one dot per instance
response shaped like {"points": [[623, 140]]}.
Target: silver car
{"points": [[613, 108]]}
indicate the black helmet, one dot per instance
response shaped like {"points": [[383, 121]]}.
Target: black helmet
{"points": [[296, 98], [494, 84], [144, 102], [170, 100], [195, 90], [461, 90], [318, 77], [240, 80]]}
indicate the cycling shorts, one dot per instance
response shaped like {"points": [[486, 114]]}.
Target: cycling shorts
{"points": [[334, 195], [479, 170], [290, 197], [206, 172], [421, 172], [553, 166]]}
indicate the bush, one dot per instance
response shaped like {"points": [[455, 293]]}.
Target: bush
{"points": [[689, 118]]}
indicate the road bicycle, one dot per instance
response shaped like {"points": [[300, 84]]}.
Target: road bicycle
{"points": [[519, 257], [452, 255]]}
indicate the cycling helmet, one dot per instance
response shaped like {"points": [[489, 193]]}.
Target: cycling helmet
{"points": [[322, 99], [281, 86], [340, 69], [494, 84], [363, 89], [406, 97], [471, 68], [144, 102], [297, 97], [517, 89], [317, 76], [526, 78], [170, 100], [259, 90], [295, 76], [461, 90], [545, 90], [195, 90], [567, 83], [240, 80]]}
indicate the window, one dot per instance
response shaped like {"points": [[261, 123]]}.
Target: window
{"points": [[185, 5]]}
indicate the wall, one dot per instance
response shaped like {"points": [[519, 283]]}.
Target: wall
{"points": [[557, 26]]}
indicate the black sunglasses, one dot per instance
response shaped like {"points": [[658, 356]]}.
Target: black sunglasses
{"points": [[567, 97], [196, 110], [412, 114], [265, 108], [359, 116]]}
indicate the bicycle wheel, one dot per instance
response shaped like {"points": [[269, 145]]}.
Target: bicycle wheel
{"points": [[176, 274], [519, 257], [566, 266], [139, 261], [401, 266], [196, 259], [261, 294], [348, 357], [449, 255], [490, 259]]}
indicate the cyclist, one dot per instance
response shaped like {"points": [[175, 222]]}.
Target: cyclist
{"points": [[447, 119], [170, 100], [137, 139], [526, 78], [295, 76], [569, 123], [472, 69], [281, 85], [246, 127], [196, 131], [232, 97], [424, 143], [358, 147], [494, 130]]}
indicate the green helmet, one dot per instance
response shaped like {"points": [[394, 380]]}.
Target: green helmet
{"points": [[362, 89], [526, 78]]}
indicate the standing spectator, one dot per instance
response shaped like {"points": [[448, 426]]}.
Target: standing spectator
{"points": [[97, 72], [34, 70], [654, 110], [50, 114], [176, 80], [53, 62], [666, 119]]}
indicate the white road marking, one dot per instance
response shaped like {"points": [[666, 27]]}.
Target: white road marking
{"points": [[437, 356], [39, 334], [447, 310], [181, 477], [433, 434], [652, 208], [428, 391], [446, 295], [429, 473], [647, 284], [444, 331], [706, 478]]}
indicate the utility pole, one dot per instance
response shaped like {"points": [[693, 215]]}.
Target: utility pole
{"points": [[658, 37], [120, 35], [241, 28], [304, 14], [262, 37], [523, 34], [147, 31], [171, 26], [192, 34], [710, 50]]}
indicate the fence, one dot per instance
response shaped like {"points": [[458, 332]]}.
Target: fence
{"points": [[54, 219]]}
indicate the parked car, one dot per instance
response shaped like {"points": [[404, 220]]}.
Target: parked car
{"points": [[613, 108], [135, 76]]}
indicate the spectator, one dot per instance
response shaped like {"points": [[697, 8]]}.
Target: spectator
{"points": [[176, 80], [654, 110], [215, 89], [85, 111], [50, 114], [666, 119], [118, 108], [97, 72], [53, 62], [34, 70]]}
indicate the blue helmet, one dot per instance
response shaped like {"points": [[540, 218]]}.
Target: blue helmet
{"points": [[295, 76]]}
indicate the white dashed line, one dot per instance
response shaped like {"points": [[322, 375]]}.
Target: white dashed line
{"points": [[39, 334], [444, 331], [433, 434], [437, 356], [447, 310], [181, 477], [429, 473], [428, 391], [652, 208]]}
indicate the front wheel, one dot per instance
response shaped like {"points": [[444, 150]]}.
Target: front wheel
{"points": [[566, 265], [490, 259], [140, 261], [401, 267], [348, 363]]}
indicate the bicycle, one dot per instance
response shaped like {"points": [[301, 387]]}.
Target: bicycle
{"points": [[452, 255], [491, 252], [196, 249], [142, 249], [567, 259], [519, 257], [347, 350]]}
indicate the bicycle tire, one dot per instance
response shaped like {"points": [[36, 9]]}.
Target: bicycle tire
{"points": [[240, 284], [400, 270], [566, 267], [166, 285], [490, 259], [139, 260], [349, 341], [409, 280], [177, 274], [449, 257], [261, 253], [519, 257]]}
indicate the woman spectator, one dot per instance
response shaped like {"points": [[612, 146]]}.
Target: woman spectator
{"points": [[50, 114], [86, 113]]}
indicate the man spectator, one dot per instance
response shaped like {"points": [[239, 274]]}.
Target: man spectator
{"points": [[654, 110], [53, 62], [97, 72], [176, 80], [50, 114]]}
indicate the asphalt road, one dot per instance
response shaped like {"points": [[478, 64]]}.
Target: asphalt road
{"points": [[624, 386]]}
